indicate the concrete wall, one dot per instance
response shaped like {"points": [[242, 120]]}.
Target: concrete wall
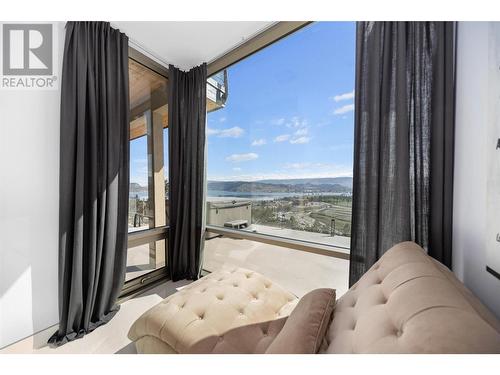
{"points": [[29, 203], [476, 81], [220, 212]]}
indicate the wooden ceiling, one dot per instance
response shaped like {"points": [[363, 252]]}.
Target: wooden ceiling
{"points": [[143, 82], [148, 91], [138, 126]]}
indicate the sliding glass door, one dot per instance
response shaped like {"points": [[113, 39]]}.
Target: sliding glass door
{"points": [[148, 195]]}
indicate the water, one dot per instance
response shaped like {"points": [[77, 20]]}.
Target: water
{"points": [[220, 195], [143, 195]]}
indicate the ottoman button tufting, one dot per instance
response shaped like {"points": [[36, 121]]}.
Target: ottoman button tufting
{"points": [[235, 295]]}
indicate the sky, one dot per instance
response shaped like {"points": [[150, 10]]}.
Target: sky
{"points": [[139, 159], [289, 113], [290, 109]]}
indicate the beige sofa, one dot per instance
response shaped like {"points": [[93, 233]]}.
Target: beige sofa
{"points": [[406, 303]]}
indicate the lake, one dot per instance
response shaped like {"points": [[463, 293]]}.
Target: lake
{"points": [[220, 195]]}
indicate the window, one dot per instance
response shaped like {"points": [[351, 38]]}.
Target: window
{"points": [[148, 196], [280, 149], [148, 217]]}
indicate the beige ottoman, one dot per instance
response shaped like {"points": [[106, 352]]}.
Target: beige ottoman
{"points": [[208, 316]]}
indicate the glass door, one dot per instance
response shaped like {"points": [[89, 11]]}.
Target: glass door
{"points": [[148, 194]]}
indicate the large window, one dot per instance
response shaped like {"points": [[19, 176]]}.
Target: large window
{"points": [[148, 197], [148, 217], [280, 151]]}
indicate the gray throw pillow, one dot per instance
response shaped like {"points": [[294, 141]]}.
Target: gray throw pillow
{"points": [[306, 326]]}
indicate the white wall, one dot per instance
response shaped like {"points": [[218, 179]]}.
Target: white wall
{"points": [[493, 154], [472, 148], [29, 201]]}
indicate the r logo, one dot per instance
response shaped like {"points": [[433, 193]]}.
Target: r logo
{"points": [[27, 49]]}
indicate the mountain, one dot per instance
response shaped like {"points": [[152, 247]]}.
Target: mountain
{"points": [[278, 187], [245, 186], [344, 181], [297, 185], [136, 188]]}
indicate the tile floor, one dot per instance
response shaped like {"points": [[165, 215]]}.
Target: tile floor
{"points": [[296, 271], [108, 339]]}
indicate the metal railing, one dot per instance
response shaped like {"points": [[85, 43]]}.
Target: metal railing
{"points": [[217, 89], [300, 245]]}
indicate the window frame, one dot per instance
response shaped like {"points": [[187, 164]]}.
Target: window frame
{"points": [[139, 284], [268, 37]]}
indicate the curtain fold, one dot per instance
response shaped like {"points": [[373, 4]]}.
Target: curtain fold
{"points": [[404, 136], [94, 177], [186, 119]]}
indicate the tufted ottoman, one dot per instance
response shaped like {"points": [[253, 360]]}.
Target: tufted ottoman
{"points": [[203, 316]]}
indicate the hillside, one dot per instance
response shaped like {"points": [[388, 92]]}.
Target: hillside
{"points": [[275, 187], [304, 185], [344, 181], [136, 188]]}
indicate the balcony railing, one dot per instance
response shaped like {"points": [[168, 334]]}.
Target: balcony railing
{"points": [[217, 91], [281, 224], [239, 235]]}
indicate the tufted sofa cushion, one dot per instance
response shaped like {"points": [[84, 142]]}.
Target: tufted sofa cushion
{"points": [[229, 311], [409, 303]]}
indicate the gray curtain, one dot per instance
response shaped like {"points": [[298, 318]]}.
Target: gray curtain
{"points": [[404, 131], [186, 119], [94, 177]]}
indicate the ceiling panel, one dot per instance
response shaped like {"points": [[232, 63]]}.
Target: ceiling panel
{"points": [[188, 44]]}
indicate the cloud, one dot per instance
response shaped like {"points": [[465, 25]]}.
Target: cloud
{"points": [[300, 128], [282, 138], [297, 123], [303, 131], [344, 109], [294, 122], [300, 140], [345, 96], [259, 142], [234, 132], [211, 131], [300, 137], [237, 169], [311, 170], [236, 158], [222, 119]]}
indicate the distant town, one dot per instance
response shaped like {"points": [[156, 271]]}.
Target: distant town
{"points": [[319, 205]]}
